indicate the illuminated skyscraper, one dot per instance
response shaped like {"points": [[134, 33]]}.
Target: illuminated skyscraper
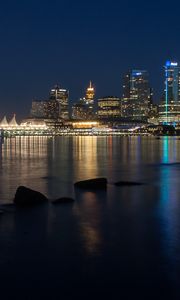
{"points": [[90, 92], [136, 95], [62, 97], [169, 109]]}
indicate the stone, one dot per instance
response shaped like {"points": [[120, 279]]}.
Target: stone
{"points": [[63, 200], [96, 183], [25, 197], [128, 183]]}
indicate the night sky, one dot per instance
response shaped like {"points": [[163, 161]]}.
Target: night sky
{"points": [[71, 42]]}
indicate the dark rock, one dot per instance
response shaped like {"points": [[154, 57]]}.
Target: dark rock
{"points": [[97, 183], [63, 200], [48, 177], [9, 208], [25, 197], [128, 183]]}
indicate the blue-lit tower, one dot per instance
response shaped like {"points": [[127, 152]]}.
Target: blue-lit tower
{"points": [[169, 109]]}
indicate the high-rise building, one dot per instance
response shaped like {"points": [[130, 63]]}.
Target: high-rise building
{"points": [[62, 97], [56, 107], [84, 109], [80, 110], [51, 109], [169, 108], [109, 108], [48, 109], [136, 95], [38, 109], [90, 92]]}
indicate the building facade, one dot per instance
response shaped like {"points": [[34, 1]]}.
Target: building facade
{"points": [[169, 108], [84, 109], [38, 109], [136, 95], [109, 108], [56, 107], [61, 96]]}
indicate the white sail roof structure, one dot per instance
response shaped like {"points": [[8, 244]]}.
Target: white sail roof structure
{"points": [[13, 122], [4, 122]]}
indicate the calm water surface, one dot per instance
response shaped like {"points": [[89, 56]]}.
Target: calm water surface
{"points": [[124, 241]]}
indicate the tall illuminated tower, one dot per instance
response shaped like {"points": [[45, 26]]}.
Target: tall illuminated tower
{"points": [[169, 109], [89, 102]]}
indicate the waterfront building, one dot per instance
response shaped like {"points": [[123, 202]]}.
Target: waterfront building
{"points": [[61, 96], [13, 122], [4, 123], [136, 95], [169, 108], [109, 108]]}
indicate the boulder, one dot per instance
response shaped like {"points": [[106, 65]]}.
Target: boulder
{"points": [[96, 183], [128, 183], [63, 200], [25, 197]]}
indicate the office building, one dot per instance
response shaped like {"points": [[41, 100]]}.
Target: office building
{"points": [[109, 108], [62, 97], [56, 107], [84, 109], [38, 109], [136, 95]]}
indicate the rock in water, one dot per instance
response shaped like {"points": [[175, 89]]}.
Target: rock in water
{"points": [[128, 183], [96, 183], [25, 197], [63, 200]]}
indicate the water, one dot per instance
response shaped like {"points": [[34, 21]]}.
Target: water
{"points": [[124, 241]]}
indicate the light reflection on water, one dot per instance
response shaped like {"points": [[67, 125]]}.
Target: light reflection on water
{"points": [[134, 231]]}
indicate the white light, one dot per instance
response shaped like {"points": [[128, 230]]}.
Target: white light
{"points": [[174, 64]]}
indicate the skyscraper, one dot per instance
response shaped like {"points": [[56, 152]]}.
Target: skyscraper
{"points": [[136, 95], [169, 109], [90, 92], [62, 97]]}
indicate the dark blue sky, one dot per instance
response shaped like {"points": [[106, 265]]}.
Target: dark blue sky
{"points": [[70, 42]]}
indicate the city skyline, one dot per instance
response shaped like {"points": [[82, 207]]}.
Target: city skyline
{"points": [[44, 43], [92, 89]]}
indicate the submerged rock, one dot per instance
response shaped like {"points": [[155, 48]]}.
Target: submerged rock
{"points": [[128, 183], [96, 183], [25, 197], [63, 200]]}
